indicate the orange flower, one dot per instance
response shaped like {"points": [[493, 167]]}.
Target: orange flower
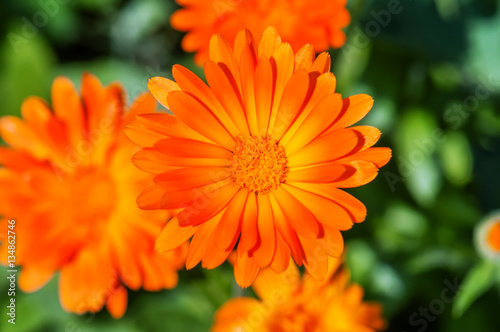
{"points": [[68, 183], [259, 155], [289, 303], [487, 237], [317, 22]]}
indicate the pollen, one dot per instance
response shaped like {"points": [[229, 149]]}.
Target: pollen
{"points": [[258, 164], [494, 236]]}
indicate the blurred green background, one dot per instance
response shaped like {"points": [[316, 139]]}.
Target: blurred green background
{"points": [[433, 67]]}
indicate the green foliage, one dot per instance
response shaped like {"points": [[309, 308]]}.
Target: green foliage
{"points": [[478, 280], [418, 231]]}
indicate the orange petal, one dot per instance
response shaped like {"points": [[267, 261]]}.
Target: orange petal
{"points": [[304, 57], [214, 256], [160, 88], [192, 198], [32, 279], [201, 241], [316, 260], [199, 118], [157, 156], [173, 235], [229, 226], [324, 210], [193, 85], [355, 108], [344, 141], [151, 198], [14, 159], [248, 66], [282, 63], [235, 315], [188, 178], [68, 107], [330, 191], [245, 270], [270, 284], [322, 63], [221, 53], [199, 213], [249, 233], [117, 302], [145, 103], [365, 173], [285, 230], [323, 173], [224, 87], [243, 40], [370, 135], [188, 148], [265, 249], [140, 135], [281, 259], [269, 42], [292, 102], [141, 161], [18, 135], [377, 156], [299, 217], [316, 122], [124, 260], [101, 103], [319, 88], [153, 276], [263, 94]]}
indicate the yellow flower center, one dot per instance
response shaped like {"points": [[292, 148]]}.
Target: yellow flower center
{"points": [[494, 236], [258, 164]]}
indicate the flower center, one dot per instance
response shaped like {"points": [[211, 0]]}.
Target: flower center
{"points": [[96, 194], [494, 237], [296, 318], [258, 163]]}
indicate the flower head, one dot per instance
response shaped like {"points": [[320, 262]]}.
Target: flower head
{"points": [[68, 183], [317, 22], [255, 159], [289, 303], [487, 237]]}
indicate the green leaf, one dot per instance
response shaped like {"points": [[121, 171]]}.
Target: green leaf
{"points": [[27, 62], [478, 280], [456, 158], [418, 138]]}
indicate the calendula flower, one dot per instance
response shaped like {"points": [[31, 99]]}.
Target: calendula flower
{"points": [[259, 154], [487, 237], [317, 22], [67, 182], [289, 303]]}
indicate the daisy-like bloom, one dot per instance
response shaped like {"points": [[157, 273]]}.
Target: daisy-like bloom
{"points": [[67, 181], [318, 22], [289, 303], [487, 237], [259, 154]]}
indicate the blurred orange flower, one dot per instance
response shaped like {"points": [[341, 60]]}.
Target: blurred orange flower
{"points": [[487, 237], [259, 155], [289, 303], [317, 22], [68, 183]]}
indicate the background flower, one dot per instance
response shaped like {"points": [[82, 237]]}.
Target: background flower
{"points": [[299, 22], [68, 183], [291, 303]]}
